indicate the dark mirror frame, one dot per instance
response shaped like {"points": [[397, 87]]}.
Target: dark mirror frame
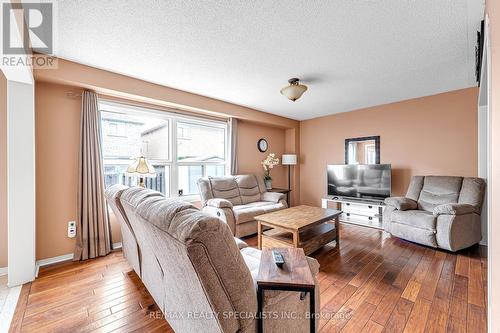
{"points": [[366, 138]]}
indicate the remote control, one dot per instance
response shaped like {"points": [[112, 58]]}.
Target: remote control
{"points": [[278, 259]]}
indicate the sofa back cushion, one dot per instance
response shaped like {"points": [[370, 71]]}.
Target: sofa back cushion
{"points": [[472, 193], [225, 188], [202, 270], [249, 188], [438, 190], [239, 190]]}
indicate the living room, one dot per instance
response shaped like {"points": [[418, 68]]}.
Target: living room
{"points": [[362, 155]]}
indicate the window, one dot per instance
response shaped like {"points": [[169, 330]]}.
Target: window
{"points": [[201, 151], [181, 149]]}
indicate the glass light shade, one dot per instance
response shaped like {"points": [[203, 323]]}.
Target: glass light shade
{"points": [[294, 91], [142, 168], [289, 159]]}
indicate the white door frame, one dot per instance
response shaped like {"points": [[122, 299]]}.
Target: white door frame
{"points": [[484, 153]]}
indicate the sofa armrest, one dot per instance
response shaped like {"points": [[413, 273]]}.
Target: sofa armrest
{"points": [[401, 203], [453, 209], [272, 196], [219, 203]]}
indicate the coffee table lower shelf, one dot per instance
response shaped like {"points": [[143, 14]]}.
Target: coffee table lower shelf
{"points": [[310, 240]]}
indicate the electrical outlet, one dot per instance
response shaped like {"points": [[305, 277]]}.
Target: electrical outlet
{"points": [[71, 229]]}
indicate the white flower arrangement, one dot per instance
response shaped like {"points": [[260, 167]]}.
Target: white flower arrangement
{"points": [[268, 163]]}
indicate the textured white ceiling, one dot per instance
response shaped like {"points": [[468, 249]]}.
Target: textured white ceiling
{"points": [[351, 54]]}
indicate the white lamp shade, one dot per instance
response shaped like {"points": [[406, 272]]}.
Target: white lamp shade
{"points": [[293, 91], [142, 168], [289, 159]]}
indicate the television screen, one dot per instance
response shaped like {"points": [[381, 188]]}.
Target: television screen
{"points": [[371, 181]]}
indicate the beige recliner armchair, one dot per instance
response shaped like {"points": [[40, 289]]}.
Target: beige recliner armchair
{"points": [[438, 211], [237, 200]]}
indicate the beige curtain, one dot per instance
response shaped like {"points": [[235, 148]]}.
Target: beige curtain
{"points": [[93, 230], [233, 142]]}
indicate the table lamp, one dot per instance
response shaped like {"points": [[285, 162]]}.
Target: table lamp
{"points": [[289, 159], [142, 169]]}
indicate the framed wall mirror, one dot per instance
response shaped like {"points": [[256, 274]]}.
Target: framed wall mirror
{"points": [[365, 150]]}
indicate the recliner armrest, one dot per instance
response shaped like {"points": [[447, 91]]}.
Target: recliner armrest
{"points": [[401, 203], [219, 203], [272, 196], [453, 209]]}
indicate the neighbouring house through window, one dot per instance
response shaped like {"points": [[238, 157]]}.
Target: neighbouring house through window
{"points": [[181, 149]]}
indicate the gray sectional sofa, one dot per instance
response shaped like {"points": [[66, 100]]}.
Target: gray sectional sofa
{"points": [[201, 277], [438, 211], [237, 200]]}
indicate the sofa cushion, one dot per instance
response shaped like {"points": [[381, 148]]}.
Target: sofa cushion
{"points": [[438, 190], [249, 188], [226, 188], [247, 213], [416, 218]]}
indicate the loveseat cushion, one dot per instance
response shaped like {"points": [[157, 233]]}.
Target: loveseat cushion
{"points": [[415, 218], [249, 188], [247, 213], [226, 188]]}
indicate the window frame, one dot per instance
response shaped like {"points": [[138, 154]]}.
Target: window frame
{"points": [[173, 118]]}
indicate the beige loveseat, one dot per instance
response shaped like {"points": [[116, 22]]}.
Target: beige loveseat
{"points": [[237, 200], [201, 277], [438, 211]]}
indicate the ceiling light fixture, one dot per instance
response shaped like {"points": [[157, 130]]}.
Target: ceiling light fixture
{"points": [[294, 90]]}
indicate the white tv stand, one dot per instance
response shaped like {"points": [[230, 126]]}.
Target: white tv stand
{"points": [[357, 211]]}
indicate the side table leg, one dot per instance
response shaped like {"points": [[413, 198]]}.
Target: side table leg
{"points": [[312, 311], [260, 300]]}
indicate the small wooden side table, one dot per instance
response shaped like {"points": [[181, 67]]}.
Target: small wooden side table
{"points": [[295, 275]]}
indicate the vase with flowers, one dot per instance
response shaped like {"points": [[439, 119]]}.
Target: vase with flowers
{"points": [[268, 163]]}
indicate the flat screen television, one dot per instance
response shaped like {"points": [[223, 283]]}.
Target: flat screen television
{"points": [[361, 181]]}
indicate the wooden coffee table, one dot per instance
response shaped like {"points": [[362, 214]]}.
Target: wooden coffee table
{"points": [[302, 226]]}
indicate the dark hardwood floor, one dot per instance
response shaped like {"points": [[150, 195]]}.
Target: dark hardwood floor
{"points": [[372, 284]]}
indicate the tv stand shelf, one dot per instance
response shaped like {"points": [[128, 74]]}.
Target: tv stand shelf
{"points": [[357, 211]]}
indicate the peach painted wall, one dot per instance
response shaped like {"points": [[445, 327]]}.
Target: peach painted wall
{"points": [[57, 141], [430, 135], [57, 144], [249, 157], [3, 171], [493, 12]]}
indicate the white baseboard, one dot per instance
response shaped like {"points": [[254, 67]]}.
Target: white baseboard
{"points": [[64, 257], [4, 271], [53, 260]]}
